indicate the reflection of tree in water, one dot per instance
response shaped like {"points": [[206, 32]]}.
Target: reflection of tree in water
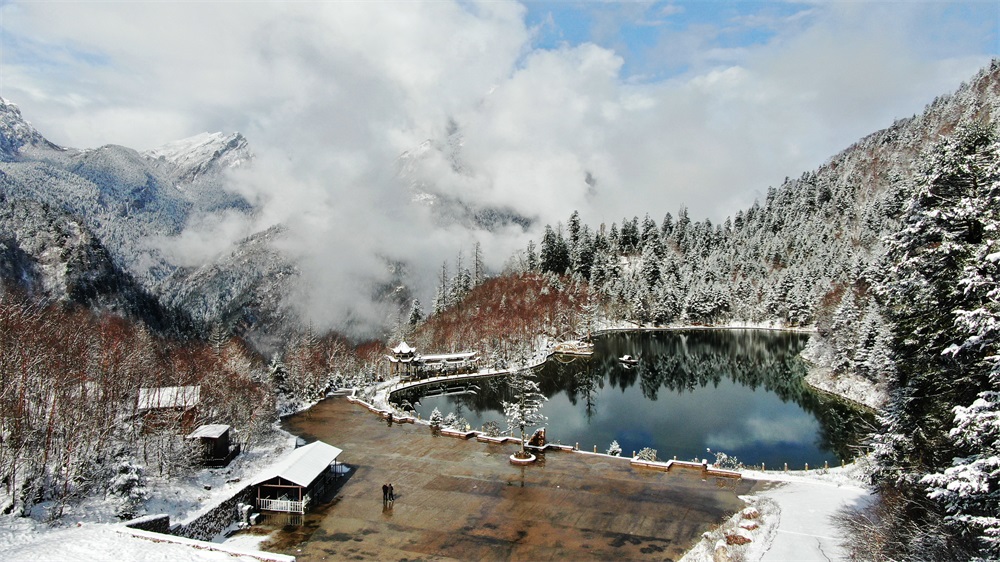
{"points": [[682, 362]]}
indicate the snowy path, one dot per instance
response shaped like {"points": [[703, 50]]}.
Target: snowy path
{"points": [[806, 530]]}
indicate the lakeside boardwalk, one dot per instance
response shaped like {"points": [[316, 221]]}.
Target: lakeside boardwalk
{"points": [[462, 500]]}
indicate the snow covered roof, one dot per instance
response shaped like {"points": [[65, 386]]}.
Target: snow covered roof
{"points": [[302, 465], [169, 397], [465, 355], [209, 431], [403, 348]]}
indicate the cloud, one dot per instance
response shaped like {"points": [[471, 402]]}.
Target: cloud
{"points": [[330, 94]]}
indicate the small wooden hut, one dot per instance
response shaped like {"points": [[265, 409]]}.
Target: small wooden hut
{"points": [[216, 448], [298, 479]]}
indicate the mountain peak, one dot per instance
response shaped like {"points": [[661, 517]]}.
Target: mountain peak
{"points": [[204, 152], [16, 133]]}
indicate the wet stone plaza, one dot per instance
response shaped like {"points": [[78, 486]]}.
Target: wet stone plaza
{"points": [[459, 499]]}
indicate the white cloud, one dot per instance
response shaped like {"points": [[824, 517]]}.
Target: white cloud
{"points": [[329, 94]]}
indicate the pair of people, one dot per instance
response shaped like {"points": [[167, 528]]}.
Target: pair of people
{"points": [[387, 493]]}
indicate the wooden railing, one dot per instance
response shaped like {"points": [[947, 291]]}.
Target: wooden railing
{"points": [[287, 506]]}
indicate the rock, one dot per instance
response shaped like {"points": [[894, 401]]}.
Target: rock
{"points": [[739, 536], [721, 552]]}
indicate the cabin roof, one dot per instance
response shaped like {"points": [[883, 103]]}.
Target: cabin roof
{"points": [[169, 397], [209, 431], [302, 465]]}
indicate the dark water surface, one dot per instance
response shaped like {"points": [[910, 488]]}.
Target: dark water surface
{"points": [[736, 391]]}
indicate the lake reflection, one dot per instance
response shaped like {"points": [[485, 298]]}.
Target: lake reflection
{"points": [[736, 391]]}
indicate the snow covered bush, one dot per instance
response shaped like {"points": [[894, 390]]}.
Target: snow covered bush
{"points": [[491, 429], [722, 460], [646, 454], [128, 488], [451, 420], [615, 450], [436, 419]]}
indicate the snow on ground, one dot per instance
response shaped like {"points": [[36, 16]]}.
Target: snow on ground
{"points": [[183, 497], [790, 520], [89, 530], [852, 387], [100, 542]]}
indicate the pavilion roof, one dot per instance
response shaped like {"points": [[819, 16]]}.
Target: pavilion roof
{"points": [[302, 465], [403, 348]]}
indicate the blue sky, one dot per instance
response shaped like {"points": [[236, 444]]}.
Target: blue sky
{"points": [[640, 30]]}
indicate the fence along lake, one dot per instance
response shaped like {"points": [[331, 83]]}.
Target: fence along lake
{"points": [[690, 394]]}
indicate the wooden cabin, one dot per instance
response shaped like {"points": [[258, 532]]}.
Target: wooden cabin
{"points": [[168, 407], [300, 478], [216, 448]]}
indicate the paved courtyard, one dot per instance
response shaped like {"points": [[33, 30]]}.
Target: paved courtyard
{"points": [[460, 499]]}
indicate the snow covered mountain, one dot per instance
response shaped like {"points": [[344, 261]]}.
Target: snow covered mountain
{"points": [[113, 201], [204, 154], [99, 210], [17, 135]]}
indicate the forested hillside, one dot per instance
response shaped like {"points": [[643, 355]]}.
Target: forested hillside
{"points": [[805, 256], [890, 250]]}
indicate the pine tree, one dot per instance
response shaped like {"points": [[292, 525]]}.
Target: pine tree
{"points": [[531, 258], [969, 489], [416, 314], [554, 254], [441, 299], [938, 364], [218, 337], [525, 410]]}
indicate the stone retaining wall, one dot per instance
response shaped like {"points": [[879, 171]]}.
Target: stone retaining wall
{"points": [[213, 519]]}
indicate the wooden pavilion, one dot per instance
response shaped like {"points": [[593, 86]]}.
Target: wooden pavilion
{"points": [[301, 477]]}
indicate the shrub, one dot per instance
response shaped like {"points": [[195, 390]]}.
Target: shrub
{"points": [[615, 450], [647, 454]]}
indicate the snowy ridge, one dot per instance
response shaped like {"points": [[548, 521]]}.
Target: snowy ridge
{"points": [[204, 152], [16, 133]]}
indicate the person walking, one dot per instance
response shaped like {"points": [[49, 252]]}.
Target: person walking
{"points": [[392, 496], [385, 493]]}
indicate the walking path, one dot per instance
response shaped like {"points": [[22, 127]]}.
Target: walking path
{"points": [[806, 530]]}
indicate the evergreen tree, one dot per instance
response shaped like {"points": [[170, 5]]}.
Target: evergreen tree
{"points": [[441, 301], [630, 236], [531, 257], [938, 365], [525, 410], [582, 258], [573, 228], [667, 226], [969, 489], [416, 314], [554, 254]]}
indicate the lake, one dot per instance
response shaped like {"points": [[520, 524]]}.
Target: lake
{"points": [[692, 393]]}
